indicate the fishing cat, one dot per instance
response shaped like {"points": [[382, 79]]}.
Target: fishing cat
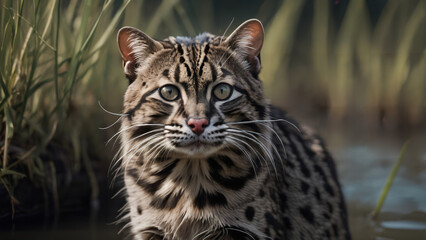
{"points": [[205, 156]]}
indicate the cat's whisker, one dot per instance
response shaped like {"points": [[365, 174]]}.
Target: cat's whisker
{"points": [[265, 121], [256, 141], [241, 231], [260, 156], [260, 135], [230, 55], [223, 55], [135, 149], [133, 126], [130, 141], [112, 113], [280, 140], [274, 148], [116, 161], [263, 146], [110, 126], [243, 150], [200, 234], [153, 153], [140, 147], [224, 33]]}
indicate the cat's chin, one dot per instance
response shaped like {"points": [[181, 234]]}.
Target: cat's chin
{"points": [[198, 149]]}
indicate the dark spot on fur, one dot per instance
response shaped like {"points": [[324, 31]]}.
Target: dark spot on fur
{"points": [[143, 100], [139, 210], [166, 73], [328, 188], [188, 71], [226, 160], [326, 184], [335, 230], [139, 161], [273, 195], [168, 202], [272, 221], [181, 59], [180, 50], [213, 199], [304, 186], [250, 213], [327, 234], [290, 164], [287, 224], [150, 188], [177, 73], [304, 169], [142, 130], [283, 201], [306, 212], [131, 78], [317, 194], [167, 170], [267, 232], [143, 84], [200, 72], [330, 207], [230, 182], [216, 199], [261, 193], [326, 216]]}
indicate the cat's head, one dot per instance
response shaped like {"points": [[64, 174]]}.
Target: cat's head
{"points": [[193, 95]]}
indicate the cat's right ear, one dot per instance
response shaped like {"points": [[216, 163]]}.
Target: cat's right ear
{"points": [[135, 46]]}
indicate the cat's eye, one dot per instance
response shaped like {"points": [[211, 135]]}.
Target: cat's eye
{"points": [[169, 93], [222, 91]]}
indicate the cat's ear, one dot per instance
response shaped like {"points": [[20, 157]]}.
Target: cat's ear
{"points": [[135, 46], [247, 40]]}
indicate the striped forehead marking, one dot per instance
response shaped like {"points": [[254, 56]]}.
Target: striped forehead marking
{"points": [[194, 58]]}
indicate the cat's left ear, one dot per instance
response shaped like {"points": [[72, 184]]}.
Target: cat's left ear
{"points": [[247, 40], [135, 46]]}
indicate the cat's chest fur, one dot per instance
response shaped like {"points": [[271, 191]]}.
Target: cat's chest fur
{"points": [[186, 197], [205, 156]]}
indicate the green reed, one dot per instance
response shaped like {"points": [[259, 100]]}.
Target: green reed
{"points": [[47, 53], [357, 66], [389, 182]]}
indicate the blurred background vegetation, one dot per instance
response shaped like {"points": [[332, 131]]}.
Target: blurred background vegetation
{"points": [[354, 64]]}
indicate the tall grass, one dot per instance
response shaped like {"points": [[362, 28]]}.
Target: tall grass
{"points": [[47, 55], [361, 67]]}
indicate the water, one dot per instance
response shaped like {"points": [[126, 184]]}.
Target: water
{"points": [[365, 160]]}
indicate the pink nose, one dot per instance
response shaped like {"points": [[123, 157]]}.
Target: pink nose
{"points": [[198, 125]]}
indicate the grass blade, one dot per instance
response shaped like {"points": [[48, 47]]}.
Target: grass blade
{"points": [[389, 182], [110, 29]]}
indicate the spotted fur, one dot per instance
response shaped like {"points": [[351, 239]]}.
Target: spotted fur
{"points": [[251, 174]]}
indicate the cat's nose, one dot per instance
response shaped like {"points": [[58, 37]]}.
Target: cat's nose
{"points": [[198, 125]]}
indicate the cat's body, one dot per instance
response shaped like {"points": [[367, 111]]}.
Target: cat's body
{"points": [[204, 154]]}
